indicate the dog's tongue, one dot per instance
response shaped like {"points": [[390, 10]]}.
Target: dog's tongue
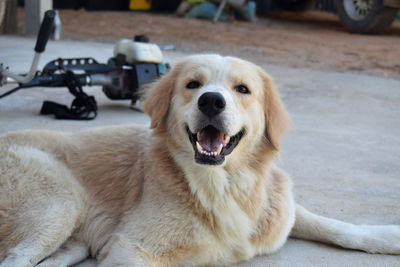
{"points": [[210, 139]]}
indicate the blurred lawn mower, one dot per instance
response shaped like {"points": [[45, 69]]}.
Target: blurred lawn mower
{"points": [[134, 64]]}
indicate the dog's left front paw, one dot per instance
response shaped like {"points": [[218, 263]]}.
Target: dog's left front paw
{"points": [[384, 239]]}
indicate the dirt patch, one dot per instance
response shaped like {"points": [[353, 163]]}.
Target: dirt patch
{"points": [[313, 39]]}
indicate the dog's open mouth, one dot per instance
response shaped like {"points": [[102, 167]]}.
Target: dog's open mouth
{"points": [[212, 145]]}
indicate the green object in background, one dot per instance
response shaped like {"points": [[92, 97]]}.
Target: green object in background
{"points": [[249, 12], [205, 10], [398, 16], [195, 1]]}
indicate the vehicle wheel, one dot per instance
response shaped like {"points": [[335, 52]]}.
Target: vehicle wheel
{"points": [[365, 16], [295, 5]]}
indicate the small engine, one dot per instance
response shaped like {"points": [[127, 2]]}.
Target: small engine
{"points": [[135, 63]]}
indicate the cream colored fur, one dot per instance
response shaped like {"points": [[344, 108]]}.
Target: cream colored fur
{"points": [[132, 196]]}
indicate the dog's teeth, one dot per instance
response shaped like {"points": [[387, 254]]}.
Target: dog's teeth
{"points": [[199, 148], [219, 149], [208, 153], [198, 135], [226, 139]]}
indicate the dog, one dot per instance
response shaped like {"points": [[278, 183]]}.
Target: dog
{"points": [[199, 187]]}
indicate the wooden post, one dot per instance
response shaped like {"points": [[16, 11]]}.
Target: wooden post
{"points": [[34, 12], [8, 16]]}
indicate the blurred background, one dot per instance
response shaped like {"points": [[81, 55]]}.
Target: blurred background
{"points": [[340, 35]]}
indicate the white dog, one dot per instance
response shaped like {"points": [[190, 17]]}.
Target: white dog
{"points": [[199, 188]]}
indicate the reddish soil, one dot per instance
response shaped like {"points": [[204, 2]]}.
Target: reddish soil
{"points": [[312, 39]]}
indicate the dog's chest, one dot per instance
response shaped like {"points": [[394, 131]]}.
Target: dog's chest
{"points": [[221, 198], [233, 230]]}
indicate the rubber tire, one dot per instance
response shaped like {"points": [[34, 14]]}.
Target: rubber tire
{"points": [[295, 5], [377, 21]]}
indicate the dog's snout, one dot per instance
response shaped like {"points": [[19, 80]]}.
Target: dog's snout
{"points": [[211, 104]]}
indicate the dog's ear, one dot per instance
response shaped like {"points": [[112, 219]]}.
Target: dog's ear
{"points": [[276, 116], [158, 97]]}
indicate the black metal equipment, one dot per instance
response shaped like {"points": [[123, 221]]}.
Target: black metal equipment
{"points": [[120, 79]]}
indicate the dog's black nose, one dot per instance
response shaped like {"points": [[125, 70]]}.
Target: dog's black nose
{"points": [[211, 104]]}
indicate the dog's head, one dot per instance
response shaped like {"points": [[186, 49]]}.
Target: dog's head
{"points": [[213, 108]]}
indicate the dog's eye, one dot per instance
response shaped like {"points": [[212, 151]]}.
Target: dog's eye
{"points": [[193, 85], [242, 89]]}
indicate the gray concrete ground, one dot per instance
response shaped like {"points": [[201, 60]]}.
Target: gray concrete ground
{"points": [[343, 150]]}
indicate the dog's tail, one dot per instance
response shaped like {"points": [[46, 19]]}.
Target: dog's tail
{"points": [[383, 239]]}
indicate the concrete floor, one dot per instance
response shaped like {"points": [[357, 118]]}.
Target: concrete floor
{"points": [[343, 150]]}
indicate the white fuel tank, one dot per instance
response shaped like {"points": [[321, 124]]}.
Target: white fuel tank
{"points": [[138, 51]]}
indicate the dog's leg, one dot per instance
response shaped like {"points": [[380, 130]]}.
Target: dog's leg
{"points": [[120, 251], [383, 239], [40, 203], [44, 235], [71, 252]]}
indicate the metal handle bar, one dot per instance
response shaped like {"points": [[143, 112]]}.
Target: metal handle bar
{"points": [[43, 37]]}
